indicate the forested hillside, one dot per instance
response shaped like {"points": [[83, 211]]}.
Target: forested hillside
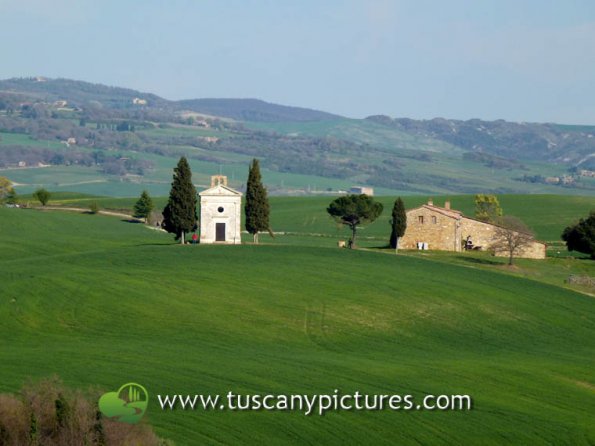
{"points": [[121, 140]]}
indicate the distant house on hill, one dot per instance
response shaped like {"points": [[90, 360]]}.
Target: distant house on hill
{"points": [[362, 190], [139, 101], [586, 173], [445, 229]]}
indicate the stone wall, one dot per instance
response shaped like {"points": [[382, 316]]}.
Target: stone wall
{"points": [[230, 214], [535, 250], [482, 234], [439, 231]]}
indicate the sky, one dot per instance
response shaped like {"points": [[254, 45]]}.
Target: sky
{"points": [[520, 60]]}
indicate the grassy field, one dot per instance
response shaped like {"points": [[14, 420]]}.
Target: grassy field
{"points": [[102, 302], [26, 140], [547, 215], [183, 130]]}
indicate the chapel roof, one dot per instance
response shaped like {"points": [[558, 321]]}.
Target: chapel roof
{"points": [[220, 189]]}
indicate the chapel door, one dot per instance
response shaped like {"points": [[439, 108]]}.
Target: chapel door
{"points": [[219, 232]]}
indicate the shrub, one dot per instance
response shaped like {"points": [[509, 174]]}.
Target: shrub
{"points": [[93, 207], [42, 195], [46, 412]]}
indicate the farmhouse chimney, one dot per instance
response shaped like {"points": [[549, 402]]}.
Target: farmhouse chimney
{"points": [[430, 202], [447, 204]]}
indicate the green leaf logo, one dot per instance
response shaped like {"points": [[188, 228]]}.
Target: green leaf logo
{"points": [[127, 405]]}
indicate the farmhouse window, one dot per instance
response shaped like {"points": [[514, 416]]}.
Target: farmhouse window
{"points": [[420, 219], [434, 219]]}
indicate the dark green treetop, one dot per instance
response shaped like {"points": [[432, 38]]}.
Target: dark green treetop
{"points": [[354, 210], [144, 206], [42, 195], [581, 236]]}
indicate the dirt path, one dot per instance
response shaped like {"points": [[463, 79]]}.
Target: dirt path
{"points": [[73, 209]]}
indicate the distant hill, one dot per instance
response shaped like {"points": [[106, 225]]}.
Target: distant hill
{"points": [[125, 139], [79, 93], [511, 140], [254, 110]]}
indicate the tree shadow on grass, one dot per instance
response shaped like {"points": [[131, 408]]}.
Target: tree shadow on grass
{"points": [[379, 247], [479, 260], [131, 220]]}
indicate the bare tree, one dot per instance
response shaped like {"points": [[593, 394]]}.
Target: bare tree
{"points": [[48, 413], [512, 236]]}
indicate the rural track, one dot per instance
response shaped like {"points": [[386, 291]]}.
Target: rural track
{"points": [[82, 210]]}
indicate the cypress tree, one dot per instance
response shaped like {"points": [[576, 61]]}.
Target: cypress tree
{"points": [[144, 206], [179, 215], [398, 223], [257, 203]]}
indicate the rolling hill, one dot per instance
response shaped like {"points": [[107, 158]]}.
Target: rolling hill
{"points": [[81, 94], [77, 93], [254, 110], [101, 302], [507, 140]]}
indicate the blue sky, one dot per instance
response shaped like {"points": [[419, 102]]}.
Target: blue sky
{"points": [[515, 60]]}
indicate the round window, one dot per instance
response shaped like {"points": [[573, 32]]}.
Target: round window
{"points": [[220, 209]]}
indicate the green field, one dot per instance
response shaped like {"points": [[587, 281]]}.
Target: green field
{"points": [[547, 215], [102, 302], [26, 140]]}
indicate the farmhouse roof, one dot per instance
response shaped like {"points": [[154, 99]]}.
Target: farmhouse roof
{"points": [[447, 212]]}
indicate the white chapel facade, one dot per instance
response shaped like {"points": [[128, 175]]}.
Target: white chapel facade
{"points": [[220, 213]]}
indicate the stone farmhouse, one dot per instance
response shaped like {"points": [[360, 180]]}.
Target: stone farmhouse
{"points": [[445, 229]]}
